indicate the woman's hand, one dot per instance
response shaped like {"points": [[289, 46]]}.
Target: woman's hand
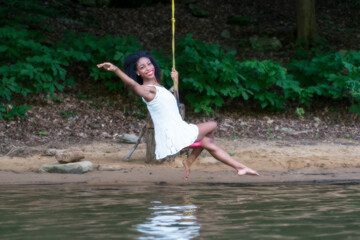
{"points": [[108, 66], [175, 76]]}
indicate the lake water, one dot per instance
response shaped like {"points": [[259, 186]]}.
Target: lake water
{"points": [[285, 211]]}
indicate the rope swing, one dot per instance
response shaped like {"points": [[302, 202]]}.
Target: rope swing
{"points": [[176, 86]]}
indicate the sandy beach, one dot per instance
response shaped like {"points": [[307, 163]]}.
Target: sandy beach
{"points": [[276, 161]]}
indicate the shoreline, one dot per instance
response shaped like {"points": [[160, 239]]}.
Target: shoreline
{"points": [[174, 177], [278, 162]]}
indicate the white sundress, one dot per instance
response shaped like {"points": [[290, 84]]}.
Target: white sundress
{"points": [[172, 133]]}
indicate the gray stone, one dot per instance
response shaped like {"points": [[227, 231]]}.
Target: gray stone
{"points": [[75, 168], [265, 43], [291, 131], [128, 138], [226, 34], [53, 151]]}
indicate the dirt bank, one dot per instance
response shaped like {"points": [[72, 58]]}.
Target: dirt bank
{"points": [[276, 161]]}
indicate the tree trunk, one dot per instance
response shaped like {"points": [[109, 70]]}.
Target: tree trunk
{"points": [[150, 141], [305, 20]]}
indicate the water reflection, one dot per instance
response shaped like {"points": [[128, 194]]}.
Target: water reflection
{"points": [[282, 212], [171, 222]]}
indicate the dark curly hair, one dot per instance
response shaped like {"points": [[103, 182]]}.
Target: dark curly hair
{"points": [[130, 64]]}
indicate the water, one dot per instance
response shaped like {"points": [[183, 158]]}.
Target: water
{"points": [[289, 211]]}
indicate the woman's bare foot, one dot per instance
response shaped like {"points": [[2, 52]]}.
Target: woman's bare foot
{"points": [[187, 166], [247, 171]]}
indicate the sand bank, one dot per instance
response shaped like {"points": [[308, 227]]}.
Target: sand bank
{"points": [[276, 161]]}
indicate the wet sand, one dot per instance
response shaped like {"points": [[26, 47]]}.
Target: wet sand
{"points": [[276, 161]]}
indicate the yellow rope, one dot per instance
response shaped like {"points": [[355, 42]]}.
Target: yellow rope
{"points": [[176, 87], [173, 32]]}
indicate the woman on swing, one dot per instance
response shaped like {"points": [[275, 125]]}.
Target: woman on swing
{"points": [[172, 134]]}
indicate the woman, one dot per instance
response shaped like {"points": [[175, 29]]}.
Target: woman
{"points": [[172, 134]]}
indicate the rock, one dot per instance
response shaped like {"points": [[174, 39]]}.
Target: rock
{"points": [[128, 138], [265, 43], [104, 167], [94, 125], [291, 131], [226, 34], [68, 157], [243, 123], [75, 168], [53, 152], [317, 119]]}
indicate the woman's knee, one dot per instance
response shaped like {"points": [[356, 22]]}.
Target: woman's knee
{"points": [[209, 144], [213, 125], [206, 129]]}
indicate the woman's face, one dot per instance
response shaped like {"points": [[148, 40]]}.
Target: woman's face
{"points": [[145, 68]]}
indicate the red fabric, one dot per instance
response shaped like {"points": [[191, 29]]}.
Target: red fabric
{"points": [[194, 145]]}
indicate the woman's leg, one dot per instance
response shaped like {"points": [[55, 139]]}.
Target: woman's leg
{"points": [[205, 129], [206, 136], [190, 160], [218, 153]]}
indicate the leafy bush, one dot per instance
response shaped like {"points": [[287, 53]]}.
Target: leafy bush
{"points": [[334, 75], [269, 83], [31, 67], [10, 111], [28, 66], [89, 50], [209, 75], [28, 14]]}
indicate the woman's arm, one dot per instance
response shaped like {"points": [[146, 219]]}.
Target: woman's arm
{"points": [[148, 93], [175, 78]]}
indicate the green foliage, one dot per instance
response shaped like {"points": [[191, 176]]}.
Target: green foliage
{"points": [[300, 112], [89, 50], [28, 14], [334, 75], [28, 66], [210, 75], [269, 83], [10, 111], [31, 67]]}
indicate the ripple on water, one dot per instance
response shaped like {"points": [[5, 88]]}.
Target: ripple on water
{"points": [[288, 211]]}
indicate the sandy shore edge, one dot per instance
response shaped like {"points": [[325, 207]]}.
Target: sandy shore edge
{"points": [[276, 161], [156, 175]]}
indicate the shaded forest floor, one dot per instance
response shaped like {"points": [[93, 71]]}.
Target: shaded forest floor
{"points": [[87, 115]]}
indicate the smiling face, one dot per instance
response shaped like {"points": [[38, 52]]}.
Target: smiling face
{"points": [[145, 68]]}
